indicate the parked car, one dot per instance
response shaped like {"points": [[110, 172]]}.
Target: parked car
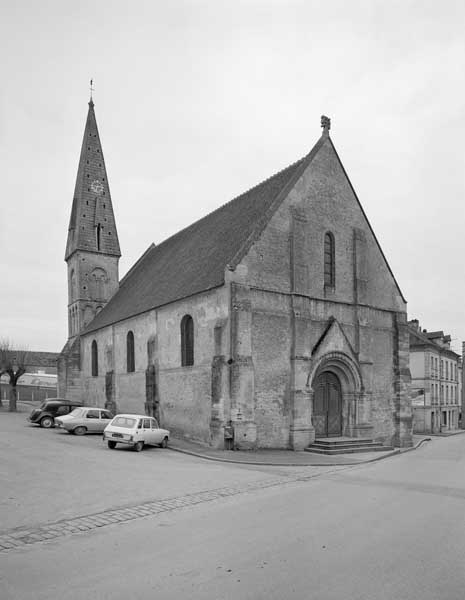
{"points": [[136, 431], [45, 414], [86, 419]]}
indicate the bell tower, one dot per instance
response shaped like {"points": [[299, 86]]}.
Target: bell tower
{"points": [[92, 249]]}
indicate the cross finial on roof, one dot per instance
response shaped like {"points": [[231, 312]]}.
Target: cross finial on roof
{"points": [[326, 124], [91, 90]]}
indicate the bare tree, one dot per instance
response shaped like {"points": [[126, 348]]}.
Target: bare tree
{"points": [[13, 363]]}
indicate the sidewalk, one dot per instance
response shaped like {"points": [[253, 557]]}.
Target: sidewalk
{"points": [[279, 458], [287, 458]]}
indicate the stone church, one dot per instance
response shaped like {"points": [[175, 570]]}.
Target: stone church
{"points": [[270, 322]]}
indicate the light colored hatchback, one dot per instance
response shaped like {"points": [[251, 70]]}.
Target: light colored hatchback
{"points": [[86, 419], [136, 431]]}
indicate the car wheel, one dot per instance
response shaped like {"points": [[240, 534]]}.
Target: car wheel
{"points": [[46, 422], [138, 446], [164, 443], [111, 445], [80, 430]]}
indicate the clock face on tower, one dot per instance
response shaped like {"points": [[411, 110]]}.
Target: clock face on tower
{"points": [[96, 187]]}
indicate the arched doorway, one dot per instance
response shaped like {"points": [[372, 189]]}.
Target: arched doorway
{"points": [[327, 405]]}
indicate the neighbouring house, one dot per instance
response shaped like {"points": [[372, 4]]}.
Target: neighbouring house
{"points": [[268, 323], [462, 388], [40, 380], [436, 381]]}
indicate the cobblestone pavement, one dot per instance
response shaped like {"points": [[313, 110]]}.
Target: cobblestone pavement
{"points": [[20, 537]]}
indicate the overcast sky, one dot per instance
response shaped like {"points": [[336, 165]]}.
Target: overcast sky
{"points": [[197, 101]]}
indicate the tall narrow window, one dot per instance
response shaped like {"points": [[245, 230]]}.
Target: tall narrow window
{"points": [[187, 341], [329, 264], [130, 352], [94, 352], [99, 231]]}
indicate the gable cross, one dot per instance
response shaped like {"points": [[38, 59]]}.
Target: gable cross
{"points": [[325, 123]]}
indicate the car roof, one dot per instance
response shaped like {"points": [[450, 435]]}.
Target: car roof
{"points": [[133, 416], [61, 401]]}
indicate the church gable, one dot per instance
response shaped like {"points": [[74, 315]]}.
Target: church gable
{"points": [[277, 229], [319, 242], [333, 340]]}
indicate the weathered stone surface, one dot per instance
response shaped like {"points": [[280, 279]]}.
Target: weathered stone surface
{"points": [[263, 338]]}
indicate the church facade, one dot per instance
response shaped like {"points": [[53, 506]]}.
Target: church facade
{"points": [[271, 322]]}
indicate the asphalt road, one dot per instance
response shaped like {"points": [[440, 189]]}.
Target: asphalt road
{"points": [[387, 530], [47, 474]]}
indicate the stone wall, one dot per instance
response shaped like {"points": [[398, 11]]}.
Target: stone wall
{"points": [[323, 200], [292, 309], [69, 371], [262, 338], [183, 394]]}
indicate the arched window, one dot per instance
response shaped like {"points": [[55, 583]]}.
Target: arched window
{"points": [[187, 341], [329, 262], [94, 359], [130, 352]]}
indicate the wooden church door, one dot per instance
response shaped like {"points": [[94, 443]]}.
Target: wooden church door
{"points": [[327, 406]]}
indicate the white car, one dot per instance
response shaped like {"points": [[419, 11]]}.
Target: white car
{"points": [[136, 431], [85, 419]]}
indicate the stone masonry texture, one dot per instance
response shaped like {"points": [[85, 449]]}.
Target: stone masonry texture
{"points": [[264, 337]]}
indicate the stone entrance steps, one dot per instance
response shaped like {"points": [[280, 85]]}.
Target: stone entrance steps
{"points": [[345, 445]]}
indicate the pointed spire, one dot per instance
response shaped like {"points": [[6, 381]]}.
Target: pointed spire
{"points": [[91, 102], [92, 224]]}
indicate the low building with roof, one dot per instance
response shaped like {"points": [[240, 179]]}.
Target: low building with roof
{"points": [[40, 380], [436, 381], [270, 322]]}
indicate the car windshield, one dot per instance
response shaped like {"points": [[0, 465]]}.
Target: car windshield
{"points": [[124, 422], [77, 412]]}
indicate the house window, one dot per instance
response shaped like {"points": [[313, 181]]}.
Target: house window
{"points": [[94, 359], [329, 263], [130, 352], [187, 341]]}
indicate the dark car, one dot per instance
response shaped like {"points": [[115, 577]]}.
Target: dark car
{"points": [[51, 408]]}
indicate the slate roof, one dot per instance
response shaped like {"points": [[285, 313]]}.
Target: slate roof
{"points": [[420, 340], [38, 359], [194, 259], [90, 208]]}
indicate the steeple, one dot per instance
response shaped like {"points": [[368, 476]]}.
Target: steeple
{"points": [[92, 224], [92, 249]]}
